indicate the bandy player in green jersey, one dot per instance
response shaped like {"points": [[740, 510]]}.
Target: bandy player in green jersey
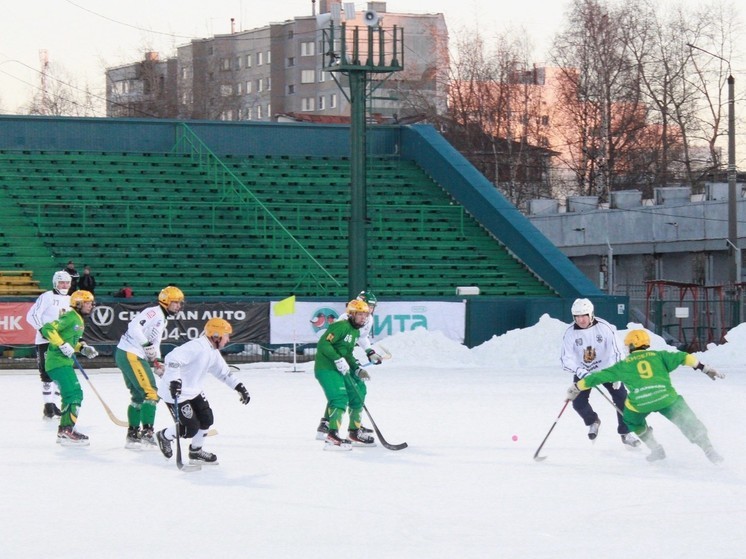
{"points": [[646, 374], [64, 340], [342, 378]]}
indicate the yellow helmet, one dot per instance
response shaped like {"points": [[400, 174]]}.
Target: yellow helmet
{"points": [[217, 327], [170, 295], [80, 297], [637, 339], [357, 305]]}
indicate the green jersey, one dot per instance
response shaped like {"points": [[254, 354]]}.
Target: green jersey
{"points": [[68, 328], [645, 373], [338, 341]]}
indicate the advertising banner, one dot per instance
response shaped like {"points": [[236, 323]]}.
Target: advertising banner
{"points": [[14, 330], [309, 320], [250, 322]]}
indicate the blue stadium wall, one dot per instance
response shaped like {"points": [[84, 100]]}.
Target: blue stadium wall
{"points": [[420, 143]]}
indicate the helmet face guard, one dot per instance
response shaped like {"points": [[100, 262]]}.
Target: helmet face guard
{"points": [[61, 277]]}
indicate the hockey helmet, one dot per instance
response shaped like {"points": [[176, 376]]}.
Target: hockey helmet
{"points": [[170, 295], [582, 307], [217, 328], [637, 339], [79, 297], [369, 298], [61, 277]]}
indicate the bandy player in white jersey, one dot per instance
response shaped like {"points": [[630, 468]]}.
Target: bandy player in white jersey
{"points": [[590, 345], [48, 308], [366, 343]]}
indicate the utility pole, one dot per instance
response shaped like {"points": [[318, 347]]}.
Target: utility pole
{"points": [[733, 197], [358, 51]]}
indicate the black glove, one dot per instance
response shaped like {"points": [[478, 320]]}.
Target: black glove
{"points": [[241, 389], [373, 357], [174, 388]]}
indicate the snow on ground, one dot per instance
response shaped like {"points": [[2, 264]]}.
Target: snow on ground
{"points": [[462, 489]]}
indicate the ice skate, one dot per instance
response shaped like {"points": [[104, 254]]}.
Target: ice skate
{"points": [[199, 456], [360, 438], [593, 429], [132, 440], [712, 455], [147, 439], [656, 454], [629, 439], [164, 444], [322, 429], [68, 436], [333, 442]]}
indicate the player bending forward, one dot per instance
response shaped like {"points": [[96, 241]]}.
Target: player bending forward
{"points": [[183, 381], [647, 375]]}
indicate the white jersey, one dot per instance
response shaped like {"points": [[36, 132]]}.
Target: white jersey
{"points": [[587, 350], [47, 308], [191, 362], [146, 328], [364, 341]]}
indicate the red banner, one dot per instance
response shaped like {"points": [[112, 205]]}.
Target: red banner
{"points": [[14, 330]]}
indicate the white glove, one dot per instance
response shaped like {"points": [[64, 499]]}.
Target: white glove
{"points": [[582, 373], [363, 375], [617, 385], [67, 350], [573, 392], [712, 373], [342, 366], [88, 350], [151, 352]]}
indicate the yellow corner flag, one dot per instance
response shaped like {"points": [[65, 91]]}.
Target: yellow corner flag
{"points": [[286, 306]]}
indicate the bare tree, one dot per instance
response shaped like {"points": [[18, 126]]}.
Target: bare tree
{"points": [[59, 95], [600, 114]]}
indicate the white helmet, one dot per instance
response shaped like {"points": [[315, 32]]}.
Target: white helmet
{"points": [[62, 275], [581, 307]]}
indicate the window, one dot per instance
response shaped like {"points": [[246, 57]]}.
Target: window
{"points": [[225, 64], [226, 115], [259, 112], [291, 34], [333, 101], [184, 73], [321, 103], [268, 84], [260, 85], [307, 48], [269, 110], [248, 61], [248, 87], [322, 76], [307, 104], [269, 57], [291, 89], [239, 63], [291, 62], [226, 90], [259, 58], [239, 88], [307, 76]]}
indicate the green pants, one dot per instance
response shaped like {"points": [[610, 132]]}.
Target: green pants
{"points": [[71, 393], [140, 381], [679, 413], [342, 392]]}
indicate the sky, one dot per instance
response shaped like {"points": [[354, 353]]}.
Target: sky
{"points": [[463, 487], [86, 36]]}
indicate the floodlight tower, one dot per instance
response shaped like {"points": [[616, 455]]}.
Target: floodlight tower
{"points": [[359, 51]]}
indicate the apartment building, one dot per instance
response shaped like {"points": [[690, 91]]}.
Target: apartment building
{"points": [[279, 69]]}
